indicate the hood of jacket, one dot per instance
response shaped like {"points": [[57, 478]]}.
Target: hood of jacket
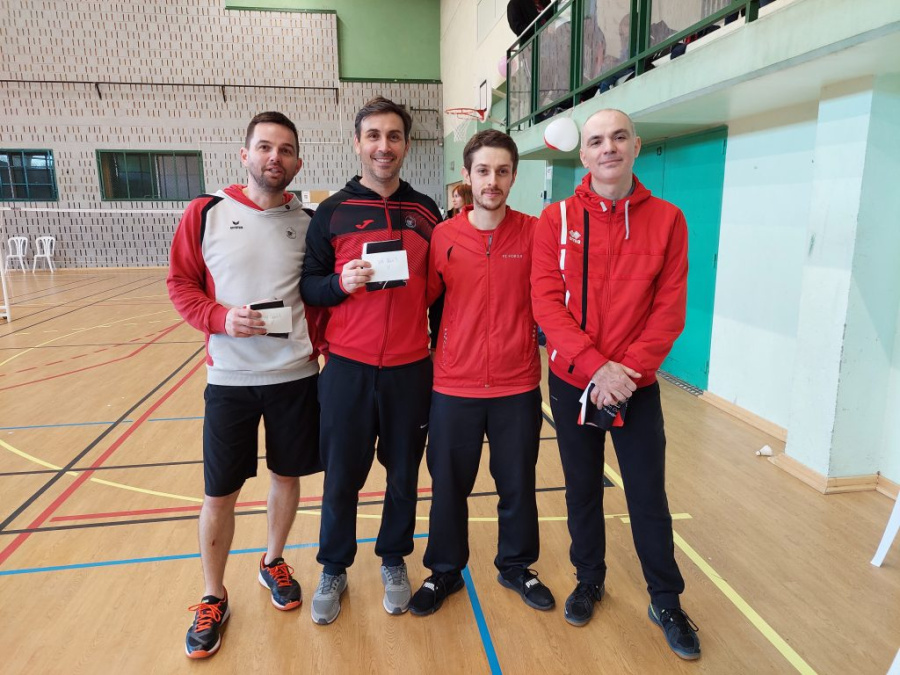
{"points": [[598, 206]]}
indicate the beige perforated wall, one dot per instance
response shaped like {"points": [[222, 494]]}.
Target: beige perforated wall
{"points": [[176, 75]]}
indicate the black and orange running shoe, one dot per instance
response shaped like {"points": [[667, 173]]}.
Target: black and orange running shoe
{"points": [[204, 637], [276, 576]]}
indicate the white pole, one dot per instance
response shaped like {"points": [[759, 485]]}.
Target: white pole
{"points": [[4, 308], [889, 533]]}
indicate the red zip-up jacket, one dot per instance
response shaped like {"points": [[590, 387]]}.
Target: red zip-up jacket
{"points": [[632, 282], [385, 327], [487, 343]]}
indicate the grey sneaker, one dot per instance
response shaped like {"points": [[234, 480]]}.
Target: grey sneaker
{"points": [[397, 590], [326, 603]]}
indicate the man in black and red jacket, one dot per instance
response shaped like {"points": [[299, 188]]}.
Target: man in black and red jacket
{"points": [[377, 382]]}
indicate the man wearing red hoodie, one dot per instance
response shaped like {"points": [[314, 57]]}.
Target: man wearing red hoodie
{"points": [[487, 373], [609, 289]]}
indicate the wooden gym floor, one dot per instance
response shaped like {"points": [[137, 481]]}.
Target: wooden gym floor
{"points": [[100, 484]]}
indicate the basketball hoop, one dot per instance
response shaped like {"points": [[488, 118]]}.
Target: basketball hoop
{"points": [[467, 117]]}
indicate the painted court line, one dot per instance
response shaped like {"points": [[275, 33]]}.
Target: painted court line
{"points": [[89, 424], [80, 480], [483, 630], [165, 558], [727, 590]]}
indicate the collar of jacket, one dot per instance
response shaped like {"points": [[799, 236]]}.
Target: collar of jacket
{"points": [[597, 205], [355, 187]]}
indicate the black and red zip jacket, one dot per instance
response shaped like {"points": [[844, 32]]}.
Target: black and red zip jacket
{"points": [[386, 327]]}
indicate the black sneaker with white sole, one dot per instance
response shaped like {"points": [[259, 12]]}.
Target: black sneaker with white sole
{"points": [[204, 637], [276, 576]]}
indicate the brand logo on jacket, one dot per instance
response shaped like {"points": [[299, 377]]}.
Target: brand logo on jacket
{"points": [[364, 224], [291, 233], [514, 256], [236, 225], [410, 221], [575, 236]]}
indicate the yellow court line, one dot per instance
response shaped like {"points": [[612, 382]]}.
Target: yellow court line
{"points": [[727, 590], [121, 486], [76, 332]]}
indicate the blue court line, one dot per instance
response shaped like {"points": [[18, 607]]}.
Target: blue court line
{"points": [[486, 641], [164, 558], [88, 424]]}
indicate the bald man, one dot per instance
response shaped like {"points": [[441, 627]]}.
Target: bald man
{"points": [[609, 289]]}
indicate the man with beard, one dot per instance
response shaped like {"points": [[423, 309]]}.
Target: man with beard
{"points": [[377, 382], [240, 245], [609, 288], [487, 374]]}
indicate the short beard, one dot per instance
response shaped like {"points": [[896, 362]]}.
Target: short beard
{"points": [[265, 186], [482, 205]]}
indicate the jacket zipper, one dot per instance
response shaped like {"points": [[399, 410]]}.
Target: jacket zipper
{"points": [[609, 236], [387, 319], [487, 341]]}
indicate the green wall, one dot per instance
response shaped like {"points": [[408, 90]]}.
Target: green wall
{"points": [[527, 194], [689, 171], [396, 40]]}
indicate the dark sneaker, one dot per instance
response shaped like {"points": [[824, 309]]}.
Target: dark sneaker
{"points": [[326, 602], [397, 590], [526, 583], [580, 605], [428, 599], [276, 576], [204, 637], [680, 631]]}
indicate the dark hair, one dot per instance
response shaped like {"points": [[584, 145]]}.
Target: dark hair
{"points": [[272, 117], [381, 106], [490, 138], [464, 191]]}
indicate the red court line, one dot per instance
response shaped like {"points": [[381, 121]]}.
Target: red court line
{"points": [[137, 351], [82, 478], [177, 509]]}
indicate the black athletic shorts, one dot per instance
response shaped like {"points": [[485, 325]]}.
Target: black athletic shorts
{"points": [[290, 412]]}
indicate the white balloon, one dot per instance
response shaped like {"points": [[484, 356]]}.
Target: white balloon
{"points": [[561, 134]]}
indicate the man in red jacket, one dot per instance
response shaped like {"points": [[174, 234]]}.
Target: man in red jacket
{"points": [[377, 382], [487, 374], [609, 289]]}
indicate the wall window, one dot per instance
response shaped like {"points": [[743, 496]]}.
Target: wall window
{"points": [[27, 175], [153, 175]]}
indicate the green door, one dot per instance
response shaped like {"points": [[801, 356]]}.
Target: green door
{"points": [[689, 171]]}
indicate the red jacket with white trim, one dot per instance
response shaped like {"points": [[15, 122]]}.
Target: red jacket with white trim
{"points": [[609, 282], [487, 344], [385, 327]]}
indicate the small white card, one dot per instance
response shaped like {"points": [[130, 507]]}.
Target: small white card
{"points": [[278, 319], [388, 265]]}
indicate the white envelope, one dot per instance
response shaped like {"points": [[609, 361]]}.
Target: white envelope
{"points": [[388, 265], [278, 319]]}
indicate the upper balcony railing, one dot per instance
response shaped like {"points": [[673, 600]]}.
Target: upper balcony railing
{"points": [[577, 48]]}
